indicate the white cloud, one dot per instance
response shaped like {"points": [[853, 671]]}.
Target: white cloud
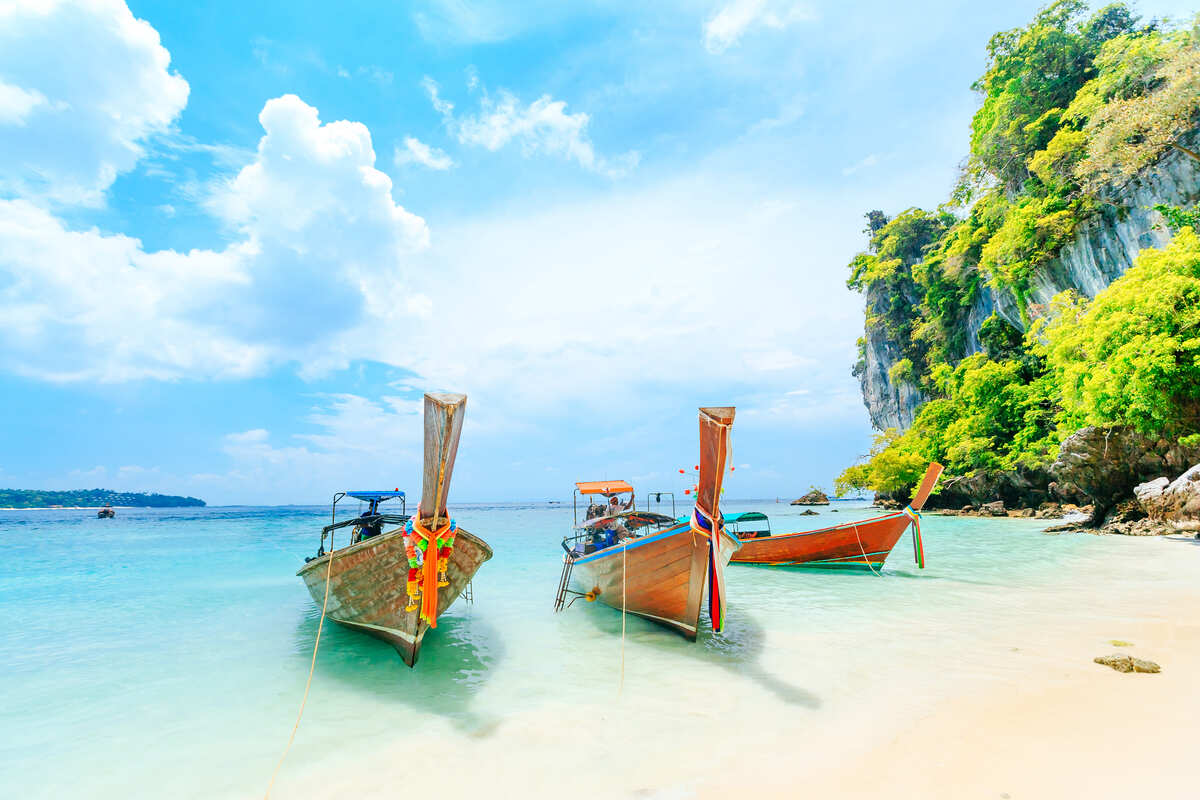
{"points": [[17, 103], [440, 105], [483, 21], [417, 152], [614, 291], [864, 163], [727, 27], [82, 304], [320, 253], [354, 438], [85, 84], [542, 126]]}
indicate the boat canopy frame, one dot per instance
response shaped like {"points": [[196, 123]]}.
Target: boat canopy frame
{"points": [[658, 496], [373, 517], [593, 535], [606, 488]]}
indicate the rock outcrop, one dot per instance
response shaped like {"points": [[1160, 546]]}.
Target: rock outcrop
{"points": [[1107, 463], [814, 498], [1020, 488], [1172, 503]]}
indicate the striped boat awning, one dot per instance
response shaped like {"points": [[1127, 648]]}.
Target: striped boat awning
{"points": [[603, 487]]}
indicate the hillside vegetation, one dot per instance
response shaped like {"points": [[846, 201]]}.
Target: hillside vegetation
{"points": [[1073, 106], [39, 498]]}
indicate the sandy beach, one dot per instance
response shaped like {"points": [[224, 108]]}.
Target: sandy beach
{"points": [[1064, 727]]}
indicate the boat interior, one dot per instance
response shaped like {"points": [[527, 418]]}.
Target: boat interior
{"points": [[611, 516], [748, 525], [369, 522]]}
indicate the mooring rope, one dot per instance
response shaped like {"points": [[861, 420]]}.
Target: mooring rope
{"points": [[308, 683], [624, 563], [864, 552]]}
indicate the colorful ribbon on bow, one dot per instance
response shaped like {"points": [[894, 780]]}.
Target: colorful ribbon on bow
{"points": [[432, 574], [702, 524], [918, 544]]}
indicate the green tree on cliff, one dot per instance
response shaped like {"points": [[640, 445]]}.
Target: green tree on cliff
{"points": [[1072, 105], [1131, 356]]}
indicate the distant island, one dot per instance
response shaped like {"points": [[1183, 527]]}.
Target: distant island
{"points": [[91, 498]]}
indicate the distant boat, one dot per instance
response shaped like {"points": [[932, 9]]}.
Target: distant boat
{"points": [[106, 513], [379, 583], [650, 564], [852, 544]]}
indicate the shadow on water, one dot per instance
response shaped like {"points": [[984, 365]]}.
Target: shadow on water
{"points": [[738, 648], [456, 660]]}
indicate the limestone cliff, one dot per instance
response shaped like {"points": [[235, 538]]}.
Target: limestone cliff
{"points": [[1103, 248]]}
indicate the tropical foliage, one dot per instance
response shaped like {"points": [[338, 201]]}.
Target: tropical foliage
{"points": [[1072, 106], [87, 498]]}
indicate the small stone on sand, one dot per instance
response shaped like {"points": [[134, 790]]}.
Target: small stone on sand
{"points": [[1124, 663], [1120, 643]]}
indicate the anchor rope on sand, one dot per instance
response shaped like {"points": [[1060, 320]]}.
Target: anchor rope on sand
{"points": [[308, 683]]}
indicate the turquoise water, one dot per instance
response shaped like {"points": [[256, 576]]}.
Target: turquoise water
{"points": [[164, 653]]}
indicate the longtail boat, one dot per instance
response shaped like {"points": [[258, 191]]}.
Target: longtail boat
{"points": [[650, 564], [866, 543], [393, 584]]}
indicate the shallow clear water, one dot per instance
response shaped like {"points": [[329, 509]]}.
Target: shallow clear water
{"points": [[164, 653]]}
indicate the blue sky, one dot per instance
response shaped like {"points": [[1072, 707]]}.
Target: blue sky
{"points": [[238, 241]]}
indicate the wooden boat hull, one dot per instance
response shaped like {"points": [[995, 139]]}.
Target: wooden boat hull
{"points": [[368, 592], [864, 545], [660, 577]]}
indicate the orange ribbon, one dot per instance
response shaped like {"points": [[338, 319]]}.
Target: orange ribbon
{"points": [[429, 578]]}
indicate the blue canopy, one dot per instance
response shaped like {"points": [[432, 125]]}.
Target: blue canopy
{"points": [[375, 495]]}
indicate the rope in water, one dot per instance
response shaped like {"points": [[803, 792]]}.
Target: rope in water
{"points": [[624, 563], [308, 683], [864, 553]]}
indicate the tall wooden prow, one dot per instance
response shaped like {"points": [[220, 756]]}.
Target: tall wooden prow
{"points": [[443, 426], [716, 422], [932, 473]]}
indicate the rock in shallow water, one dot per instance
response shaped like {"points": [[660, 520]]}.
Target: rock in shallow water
{"points": [[995, 509], [1124, 663], [814, 498]]}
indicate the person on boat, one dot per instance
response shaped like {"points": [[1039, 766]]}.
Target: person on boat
{"points": [[615, 506], [615, 530], [368, 527]]}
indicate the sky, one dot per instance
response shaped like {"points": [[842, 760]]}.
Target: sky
{"points": [[238, 241]]}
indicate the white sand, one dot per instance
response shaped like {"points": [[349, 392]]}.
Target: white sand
{"points": [[1066, 728]]}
